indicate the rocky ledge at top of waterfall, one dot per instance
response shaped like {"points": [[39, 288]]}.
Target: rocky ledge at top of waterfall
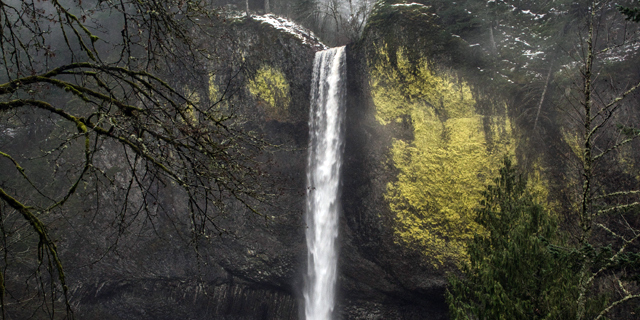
{"points": [[283, 24]]}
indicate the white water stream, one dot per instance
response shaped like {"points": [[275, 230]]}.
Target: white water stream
{"points": [[326, 130]]}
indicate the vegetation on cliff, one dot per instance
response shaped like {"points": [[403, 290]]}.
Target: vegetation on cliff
{"points": [[270, 87], [113, 118], [442, 167], [567, 118], [598, 266]]}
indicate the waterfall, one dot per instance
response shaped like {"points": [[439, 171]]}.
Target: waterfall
{"points": [[326, 128]]}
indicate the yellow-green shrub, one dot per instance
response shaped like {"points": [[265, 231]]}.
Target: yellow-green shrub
{"points": [[443, 170], [270, 87]]}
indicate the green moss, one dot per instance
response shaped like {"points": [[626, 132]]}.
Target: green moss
{"points": [[442, 170], [214, 94], [270, 88], [193, 97], [539, 186], [626, 162], [574, 141]]}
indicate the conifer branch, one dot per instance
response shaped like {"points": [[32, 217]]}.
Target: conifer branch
{"points": [[616, 208], [615, 304], [617, 194], [616, 146]]}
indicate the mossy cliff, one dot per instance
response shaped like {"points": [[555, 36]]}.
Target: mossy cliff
{"points": [[442, 168], [423, 136], [270, 87], [253, 269]]}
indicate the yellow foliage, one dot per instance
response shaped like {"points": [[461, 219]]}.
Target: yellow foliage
{"points": [[270, 87], [219, 102], [213, 88], [574, 141], [627, 163], [539, 187], [625, 159], [443, 171], [190, 112]]}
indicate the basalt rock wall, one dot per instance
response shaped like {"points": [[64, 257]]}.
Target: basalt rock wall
{"points": [[402, 83]]}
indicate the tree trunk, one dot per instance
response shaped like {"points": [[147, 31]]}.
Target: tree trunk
{"points": [[586, 215], [266, 7], [544, 93], [494, 47]]}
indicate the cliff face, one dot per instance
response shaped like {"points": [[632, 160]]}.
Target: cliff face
{"points": [[253, 268], [422, 140], [413, 122], [426, 129]]}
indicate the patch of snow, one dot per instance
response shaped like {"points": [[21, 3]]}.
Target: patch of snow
{"points": [[10, 132], [234, 14], [621, 53], [292, 28], [557, 12], [517, 39], [531, 53], [409, 5], [536, 16], [285, 25]]}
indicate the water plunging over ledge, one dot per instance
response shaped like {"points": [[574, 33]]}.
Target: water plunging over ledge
{"points": [[326, 128]]}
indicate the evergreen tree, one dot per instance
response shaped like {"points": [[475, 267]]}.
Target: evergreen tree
{"points": [[632, 14], [602, 138], [514, 271]]}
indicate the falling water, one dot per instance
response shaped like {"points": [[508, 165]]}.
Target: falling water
{"points": [[323, 179]]}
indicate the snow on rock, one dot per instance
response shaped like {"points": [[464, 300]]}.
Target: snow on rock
{"points": [[536, 16], [292, 28], [409, 5], [622, 53]]}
